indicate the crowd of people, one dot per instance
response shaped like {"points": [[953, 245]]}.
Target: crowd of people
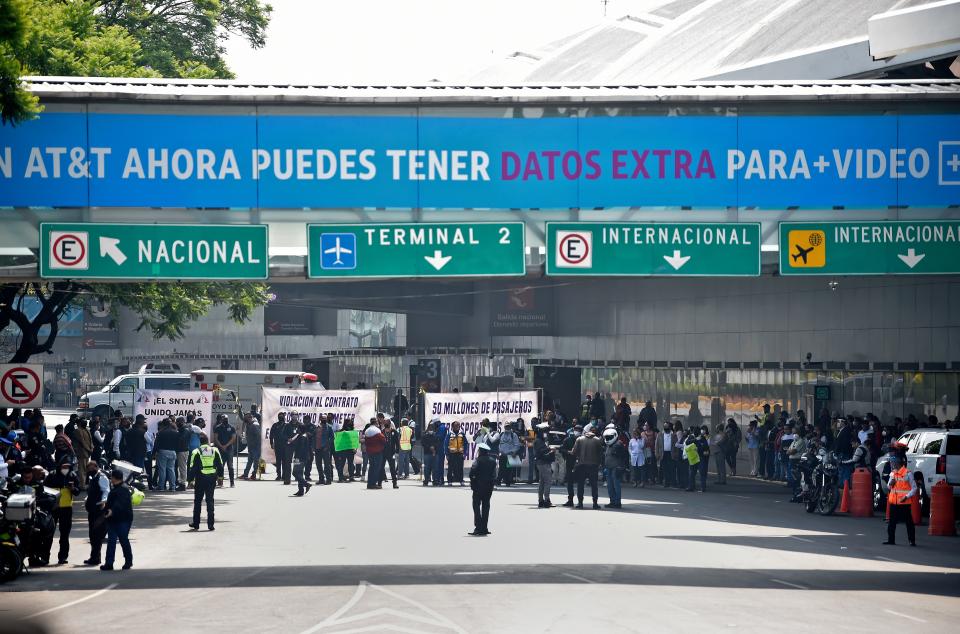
{"points": [[583, 452]]}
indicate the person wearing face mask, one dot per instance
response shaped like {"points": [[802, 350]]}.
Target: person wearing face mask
{"points": [[98, 488], [66, 481]]}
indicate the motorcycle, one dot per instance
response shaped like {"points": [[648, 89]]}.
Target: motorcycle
{"points": [[820, 476]]}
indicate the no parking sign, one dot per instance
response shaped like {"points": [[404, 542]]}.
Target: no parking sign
{"points": [[21, 385]]}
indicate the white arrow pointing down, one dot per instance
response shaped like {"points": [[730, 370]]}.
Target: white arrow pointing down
{"points": [[912, 258], [108, 247], [438, 260], [677, 260]]}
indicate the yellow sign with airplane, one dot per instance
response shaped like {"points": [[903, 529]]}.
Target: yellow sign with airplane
{"points": [[808, 249]]}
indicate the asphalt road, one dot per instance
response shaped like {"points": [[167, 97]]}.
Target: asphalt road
{"points": [[345, 559]]}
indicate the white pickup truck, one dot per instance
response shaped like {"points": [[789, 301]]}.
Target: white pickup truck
{"points": [[933, 453], [119, 393]]}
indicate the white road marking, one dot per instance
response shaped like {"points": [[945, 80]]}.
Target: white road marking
{"points": [[480, 572], [578, 577], [72, 603], [792, 585], [887, 559], [716, 519], [801, 539], [742, 497], [394, 617], [906, 616]]}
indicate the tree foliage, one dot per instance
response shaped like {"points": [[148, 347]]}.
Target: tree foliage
{"points": [[164, 309], [118, 38]]}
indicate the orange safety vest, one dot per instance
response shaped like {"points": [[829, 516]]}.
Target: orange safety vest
{"points": [[455, 445], [900, 487]]}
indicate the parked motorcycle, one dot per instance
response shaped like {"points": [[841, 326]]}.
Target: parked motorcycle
{"points": [[820, 477]]}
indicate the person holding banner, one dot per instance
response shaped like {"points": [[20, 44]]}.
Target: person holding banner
{"points": [[456, 450], [431, 446], [345, 445], [510, 448], [375, 444], [278, 445]]}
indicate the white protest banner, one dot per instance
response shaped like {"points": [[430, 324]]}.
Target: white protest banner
{"points": [[155, 405], [470, 408], [361, 405]]}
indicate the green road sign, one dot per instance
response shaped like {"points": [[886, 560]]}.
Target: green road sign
{"points": [[153, 252], [907, 247], [654, 248], [454, 249]]}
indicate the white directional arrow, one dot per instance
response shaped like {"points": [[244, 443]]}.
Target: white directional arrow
{"points": [[438, 260], [912, 258], [108, 247], [677, 260]]}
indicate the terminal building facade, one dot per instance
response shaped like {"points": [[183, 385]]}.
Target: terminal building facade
{"points": [[686, 292]]}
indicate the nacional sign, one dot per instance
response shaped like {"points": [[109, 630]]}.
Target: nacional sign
{"points": [[636, 248], [315, 161], [153, 252], [903, 247], [461, 249]]}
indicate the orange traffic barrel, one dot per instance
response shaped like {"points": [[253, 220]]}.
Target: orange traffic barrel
{"points": [[941, 510], [861, 499]]}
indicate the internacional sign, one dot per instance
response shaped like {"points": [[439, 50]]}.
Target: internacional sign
{"points": [[654, 248], [456, 249], [153, 252], [902, 247], [317, 161]]}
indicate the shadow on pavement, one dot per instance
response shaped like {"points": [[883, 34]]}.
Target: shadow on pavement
{"points": [[939, 584]]}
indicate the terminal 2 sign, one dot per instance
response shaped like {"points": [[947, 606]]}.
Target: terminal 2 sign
{"points": [[316, 161]]}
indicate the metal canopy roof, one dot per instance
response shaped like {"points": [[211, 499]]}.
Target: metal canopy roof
{"points": [[102, 89]]}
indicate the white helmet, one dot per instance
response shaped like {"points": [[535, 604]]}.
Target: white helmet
{"points": [[609, 436]]}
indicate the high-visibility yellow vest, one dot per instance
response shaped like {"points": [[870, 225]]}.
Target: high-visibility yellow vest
{"points": [[456, 444], [900, 488], [406, 434], [208, 458]]}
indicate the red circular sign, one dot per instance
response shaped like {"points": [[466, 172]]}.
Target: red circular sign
{"points": [[579, 238], [16, 388], [83, 250]]}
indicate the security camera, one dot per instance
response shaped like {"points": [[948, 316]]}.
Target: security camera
{"points": [[809, 357]]}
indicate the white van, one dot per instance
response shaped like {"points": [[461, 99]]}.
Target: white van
{"points": [[118, 394], [239, 389]]}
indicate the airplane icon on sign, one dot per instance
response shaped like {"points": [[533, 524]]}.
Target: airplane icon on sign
{"points": [[801, 253], [337, 250]]}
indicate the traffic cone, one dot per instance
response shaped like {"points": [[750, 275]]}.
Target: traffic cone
{"points": [[941, 510], [915, 510], [845, 500]]}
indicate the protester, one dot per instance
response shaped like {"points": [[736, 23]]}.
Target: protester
{"points": [[570, 460], [119, 516], [391, 449], [65, 480], [431, 445], [323, 450], [616, 459], [456, 453], [98, 491], [588, 451], [635, 448], [718, 447], [253, 429], [225, 440], [300, 448], [665, 445], [406, 446], [753, 443], [375, 444], [510, 448], [543, 456]]}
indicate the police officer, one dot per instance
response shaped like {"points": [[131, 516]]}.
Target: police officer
{"points": [[902, 491], [206, 469], [483, 475]]}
